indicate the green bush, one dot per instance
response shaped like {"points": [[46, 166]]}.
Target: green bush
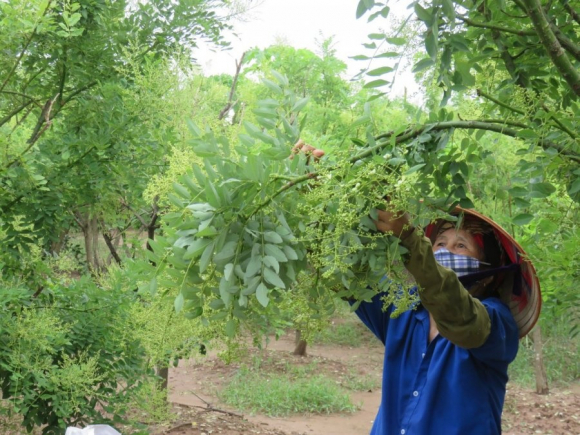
{"points": [[66, 356]]}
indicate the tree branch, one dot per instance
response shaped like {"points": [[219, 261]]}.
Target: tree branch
{"points": [[566, 42], [575, 15], [552, 45], [229, 105], [480, 93], [44, 121], [15, 112], [471, 23]]}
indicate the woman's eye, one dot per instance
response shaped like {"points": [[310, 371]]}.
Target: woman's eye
{"points": [[461, 245]]}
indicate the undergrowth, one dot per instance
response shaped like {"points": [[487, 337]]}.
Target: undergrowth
{"points": [[279, 395]]}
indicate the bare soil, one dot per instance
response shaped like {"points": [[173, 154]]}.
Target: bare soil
{"points": [[194, 387]]}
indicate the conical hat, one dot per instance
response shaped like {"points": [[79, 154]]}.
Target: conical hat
{"points": [[525, 301]]}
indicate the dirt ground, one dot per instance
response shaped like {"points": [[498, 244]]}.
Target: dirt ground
{"points": [[193, 387]]}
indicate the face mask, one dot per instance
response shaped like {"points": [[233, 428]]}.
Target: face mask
{"points": [[460, 264]]}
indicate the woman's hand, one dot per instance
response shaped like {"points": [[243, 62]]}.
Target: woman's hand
{"points": [[396, 222], [309, 150]]}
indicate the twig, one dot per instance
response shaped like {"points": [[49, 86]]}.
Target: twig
{"points": [[522, 32], [498, 102], [229, 104]]}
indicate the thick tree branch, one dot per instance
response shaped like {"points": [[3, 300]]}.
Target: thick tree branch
{"points": [[566, 42], [552, 45], [44, 121]]}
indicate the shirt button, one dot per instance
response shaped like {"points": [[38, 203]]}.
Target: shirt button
{"points": [[402, 431], [422, 355], [415, 393]]}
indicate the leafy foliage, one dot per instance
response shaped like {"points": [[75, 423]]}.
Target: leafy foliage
{"points": [[67, 356]]}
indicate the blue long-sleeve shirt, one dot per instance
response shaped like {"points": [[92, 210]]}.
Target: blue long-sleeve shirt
{"points": [[454, 385], [438, 387]]}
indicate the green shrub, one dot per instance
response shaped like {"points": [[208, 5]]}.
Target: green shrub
{"points": [[66, 356]]}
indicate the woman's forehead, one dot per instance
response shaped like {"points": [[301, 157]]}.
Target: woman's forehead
{"points": [[453, 233]]}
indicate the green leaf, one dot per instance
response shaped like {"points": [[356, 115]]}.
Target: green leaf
{"points": [[376, 83], [414, 168], [423, 64], [527, 134], [272, 86], [275, 252], [290, 252], [254, 265], [541, 190], [153, 286], [271, 277], [181, 191], [377, 36], [422, 13], [271, 262], [522, 219], [387, 54], [262, 295], [272, 237], [227, 252], [363, 6], [380, 71], [228, 270], [206, 257], [397, 41], [360, 57], [178, 303], [231, 328], [196, 248], [574, 187], [300, 104]]}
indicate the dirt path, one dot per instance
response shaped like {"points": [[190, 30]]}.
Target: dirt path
{"points": [[193, 385]]}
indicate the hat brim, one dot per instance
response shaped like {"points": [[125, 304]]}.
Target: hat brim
{"points": [[525, 301]]}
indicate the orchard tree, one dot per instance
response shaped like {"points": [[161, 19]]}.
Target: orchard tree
{"points": [[74, 115]]}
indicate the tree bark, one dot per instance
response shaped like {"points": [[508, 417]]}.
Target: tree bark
{"points": [[300, 348], [539, 368], [90, 227], [163, 373]]}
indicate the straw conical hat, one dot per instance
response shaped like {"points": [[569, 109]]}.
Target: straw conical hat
{"points": [[525, 301]]}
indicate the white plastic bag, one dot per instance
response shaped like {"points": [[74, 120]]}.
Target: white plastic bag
{"points": [[95, 429]]}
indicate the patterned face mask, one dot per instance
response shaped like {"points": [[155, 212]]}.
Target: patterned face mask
{"points": [[460, 264]]}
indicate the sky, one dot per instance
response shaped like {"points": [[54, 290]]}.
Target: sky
{"points": [[300, 23]]}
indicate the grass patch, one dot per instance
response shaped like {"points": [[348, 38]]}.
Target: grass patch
{"points": [[350, 332], [280, 395], [360, 382]]}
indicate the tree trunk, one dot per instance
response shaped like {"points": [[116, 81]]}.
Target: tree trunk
{"points": [[163, 373], [57, 245], [539, 368], [90, 226], [300, 348]]}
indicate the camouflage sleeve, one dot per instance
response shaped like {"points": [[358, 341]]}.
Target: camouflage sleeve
{"points": [[460, 318]]}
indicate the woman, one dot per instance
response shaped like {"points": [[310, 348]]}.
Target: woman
{"points": [[445, 365]]}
